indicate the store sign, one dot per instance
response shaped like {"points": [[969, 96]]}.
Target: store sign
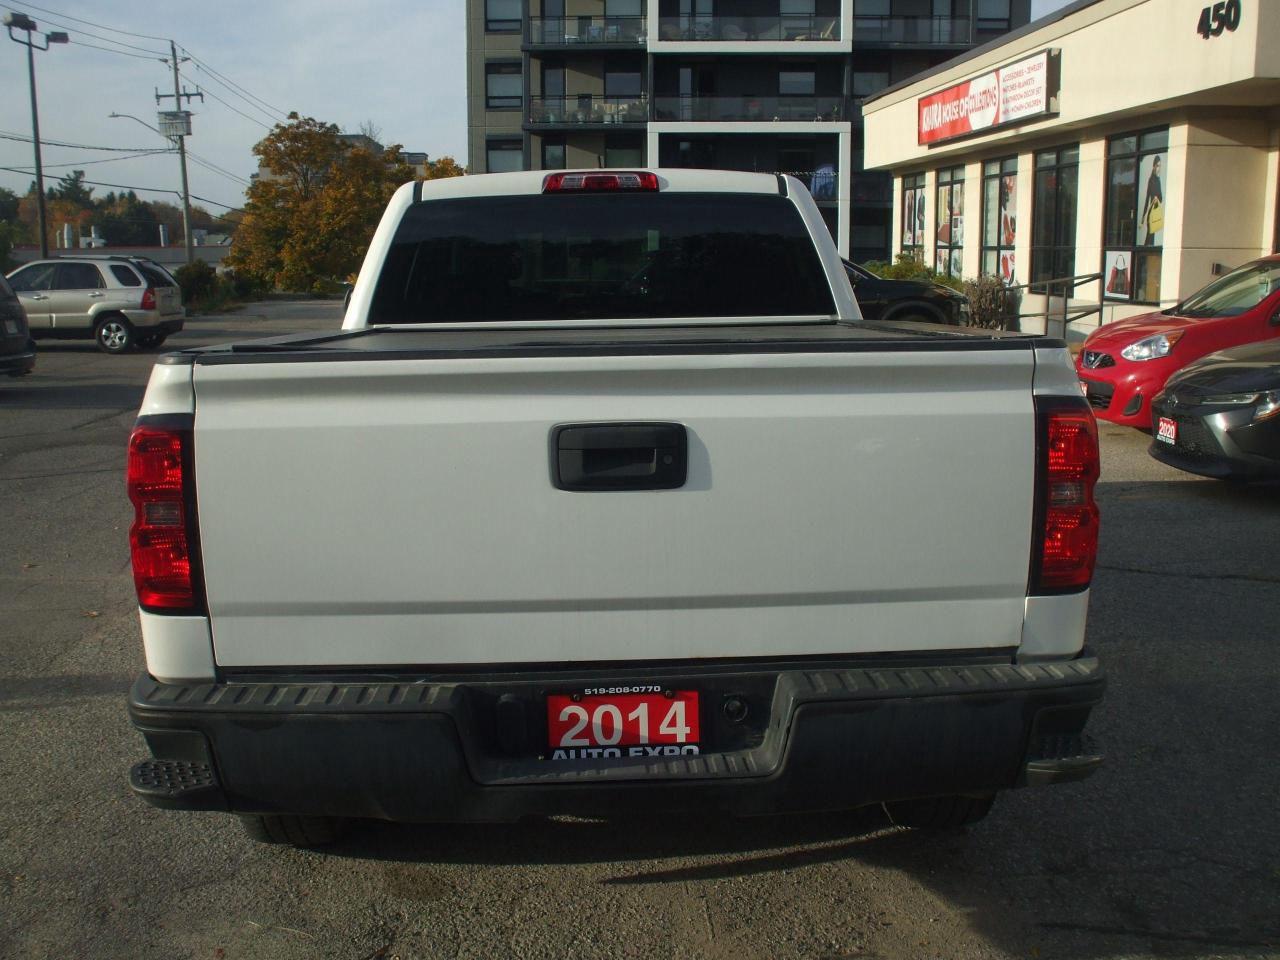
{"points": [[1021, 91]]}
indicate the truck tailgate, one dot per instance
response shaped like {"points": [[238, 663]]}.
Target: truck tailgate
{"points": [[400, 511]]}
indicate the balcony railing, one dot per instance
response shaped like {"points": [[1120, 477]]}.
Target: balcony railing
{"points": [[913, 30], [576, 31], [574, 110], [822, 183], [763, 109], [784, 27]]}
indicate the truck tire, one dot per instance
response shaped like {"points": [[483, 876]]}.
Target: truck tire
{"points": [[113, 334], [938, 813], [298, 831]]}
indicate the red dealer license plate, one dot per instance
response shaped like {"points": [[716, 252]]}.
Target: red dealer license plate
{"points": [[1167, 430], [623, 722]]}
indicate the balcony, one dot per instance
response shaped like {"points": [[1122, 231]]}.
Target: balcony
{"points": [[749, 29], [587, 111], [913, 31], [750, 109], [575, 33]]}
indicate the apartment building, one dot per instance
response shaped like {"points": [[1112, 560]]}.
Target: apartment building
{"points": [[759, 85]]}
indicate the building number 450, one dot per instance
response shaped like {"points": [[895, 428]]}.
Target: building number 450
{"points": [[1221, 16]]}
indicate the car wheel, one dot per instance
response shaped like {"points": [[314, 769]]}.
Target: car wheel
{"points": [[149, 341], [939, 813], [113, 334], [293, 829]]}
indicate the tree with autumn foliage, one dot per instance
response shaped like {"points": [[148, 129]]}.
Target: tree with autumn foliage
{"points": [[444, 167], [311, 214]]}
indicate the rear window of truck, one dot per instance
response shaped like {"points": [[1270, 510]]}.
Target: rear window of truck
{"points": [[601, 256]]}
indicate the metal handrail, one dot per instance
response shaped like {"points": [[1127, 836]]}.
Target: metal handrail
{"points": [[1066, 284]]}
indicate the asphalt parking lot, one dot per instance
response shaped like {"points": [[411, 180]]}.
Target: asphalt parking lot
{"points": [[1173, 850]]}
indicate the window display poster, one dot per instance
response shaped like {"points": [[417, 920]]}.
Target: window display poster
{"points": [[912, 216], [1117, 275], [951, 215], [1007, 268], [1008, 216], [1151, 173]]}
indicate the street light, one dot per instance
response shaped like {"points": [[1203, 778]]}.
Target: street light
{"points": [[20, 21]]}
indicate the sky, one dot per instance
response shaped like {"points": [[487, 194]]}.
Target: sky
{"points": [[397, 63], [1040, 7]]}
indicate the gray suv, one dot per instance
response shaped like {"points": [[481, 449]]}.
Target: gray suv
{"points": [[120, 302]]}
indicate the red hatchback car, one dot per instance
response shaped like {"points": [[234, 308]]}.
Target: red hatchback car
{"points": [[1124, 364]]}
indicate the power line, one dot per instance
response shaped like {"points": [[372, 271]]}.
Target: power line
{"points": [[85, 163], [125, 186], [100, 26], [214, 168], [123, 53], [132, 151], [227, 80], [54, 23], [217, 204], [45, 141], [209, 76], [235, 110]]}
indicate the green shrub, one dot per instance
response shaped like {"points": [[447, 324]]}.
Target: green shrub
{"points": [[197, 280], [908, 267], [206, 291]]}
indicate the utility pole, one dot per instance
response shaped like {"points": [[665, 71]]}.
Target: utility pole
{"points": [[20, 21], [179, 132]]}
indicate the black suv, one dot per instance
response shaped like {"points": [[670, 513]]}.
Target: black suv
{"points": [[17, 349], [921, 301]]}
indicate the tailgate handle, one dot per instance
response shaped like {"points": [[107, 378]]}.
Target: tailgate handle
{"points": [[619, 456]]}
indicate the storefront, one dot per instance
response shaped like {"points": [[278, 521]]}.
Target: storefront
{"points": [[1131, 144]]}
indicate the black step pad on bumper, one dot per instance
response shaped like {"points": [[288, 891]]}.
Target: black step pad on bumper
{"points": [[179, 784]]}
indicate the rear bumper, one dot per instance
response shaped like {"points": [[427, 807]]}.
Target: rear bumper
{"points": [[17, 364], [152, 322], [409, 749]]}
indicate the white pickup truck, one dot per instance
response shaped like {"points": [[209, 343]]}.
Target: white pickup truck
{"points": [[605, 499]]}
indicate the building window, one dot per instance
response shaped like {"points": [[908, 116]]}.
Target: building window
{"points": [[622, 86], [502, 16], [993, 15], [503, 86], [623, 157], [1053, 217], [504, 156], [1133, 230], [796, 83], [999, 218], [949, 210], [867, 82], [553, 154], [913, 215]]}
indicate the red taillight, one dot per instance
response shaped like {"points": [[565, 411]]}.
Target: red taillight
{"points": [[162, 539], [1066, 545], [149, 298], [598, 182]]}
